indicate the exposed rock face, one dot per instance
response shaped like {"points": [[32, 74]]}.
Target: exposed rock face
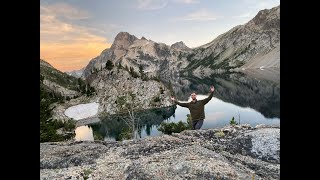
{"points": [[227, 153], [60, 89], [155, 58], [115, 85], [111, 86], [131, 52], [179, 46]]}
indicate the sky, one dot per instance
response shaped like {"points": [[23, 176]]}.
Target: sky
{"points": [[72, 32]]}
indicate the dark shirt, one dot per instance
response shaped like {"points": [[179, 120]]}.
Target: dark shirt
{"points": [[196, 108]]}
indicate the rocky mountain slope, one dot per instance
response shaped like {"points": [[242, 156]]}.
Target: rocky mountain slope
{"points": [[57, 81], [129, 51], [55, 88], [238, 152], [255, 44], [117, 85], [65, 89]]}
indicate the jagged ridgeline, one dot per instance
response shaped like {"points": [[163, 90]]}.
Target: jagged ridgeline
{"points": [[252, 45]]}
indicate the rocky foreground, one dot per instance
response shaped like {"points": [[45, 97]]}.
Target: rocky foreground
{"points": [[238, 152]]}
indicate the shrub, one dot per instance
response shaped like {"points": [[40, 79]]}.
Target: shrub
{"points": [[169, 128], [219, 134], [233, 122]]}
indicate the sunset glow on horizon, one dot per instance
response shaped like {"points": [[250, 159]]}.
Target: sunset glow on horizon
{"points": [[68, 57], [65, 44]]}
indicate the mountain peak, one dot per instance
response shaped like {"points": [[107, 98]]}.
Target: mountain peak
{"points": [[266, 15], [124, 37], [179, 45]]}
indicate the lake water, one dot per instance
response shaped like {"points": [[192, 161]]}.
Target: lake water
{"points": [[252, 97]]}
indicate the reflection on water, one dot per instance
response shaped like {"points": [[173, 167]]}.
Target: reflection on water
{"points": [[219, 113], [112, 126], [252, 97], [84, 133], [258, 89]]}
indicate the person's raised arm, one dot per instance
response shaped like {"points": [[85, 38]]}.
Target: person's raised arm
{"points": [[179, 103], [206, 100]]}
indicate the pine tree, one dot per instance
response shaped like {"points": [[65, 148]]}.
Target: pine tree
{"points": [[109, 65]]}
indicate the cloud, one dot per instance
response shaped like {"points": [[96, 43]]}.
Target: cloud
{"points": [[65, 45], [186, 1], [159, 4], [152, 4], [64, 10], [200, 15]]}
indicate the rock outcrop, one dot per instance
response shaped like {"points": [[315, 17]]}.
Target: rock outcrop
{"points": [[65, 92], [114, 88], [238, 152], [115, 85]]}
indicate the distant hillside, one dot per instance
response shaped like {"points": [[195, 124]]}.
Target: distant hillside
{"points": [[253, 45], [76, 73], [57, 87], [59, 82]]}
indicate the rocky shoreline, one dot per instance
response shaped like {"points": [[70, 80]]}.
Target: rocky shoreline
{"points": [[231, 152]]}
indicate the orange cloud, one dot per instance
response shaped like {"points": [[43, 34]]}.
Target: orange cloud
{"points": [[64, 45]]}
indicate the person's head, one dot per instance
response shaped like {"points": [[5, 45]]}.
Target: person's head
{"points": [[193, 96]]}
